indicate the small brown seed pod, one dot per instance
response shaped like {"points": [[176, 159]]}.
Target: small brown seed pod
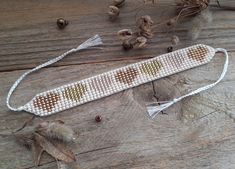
{"points": [[175, 40], [62, 23], [113, 12], [127, 45], [141, 42], [124, 34], [147, 33], [145, 22], [118, 3]]}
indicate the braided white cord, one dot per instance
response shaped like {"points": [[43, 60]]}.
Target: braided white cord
{"points": [[93, 41], [153, 110]]}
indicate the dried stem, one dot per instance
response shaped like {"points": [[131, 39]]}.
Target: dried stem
{"points": [[24, 124]]}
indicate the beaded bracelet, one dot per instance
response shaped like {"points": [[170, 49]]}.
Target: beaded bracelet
{"points": [[114, 81]]}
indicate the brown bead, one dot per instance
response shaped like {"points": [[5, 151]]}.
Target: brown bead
{"points": [[62, 23], [169, 49], [98, 118]]}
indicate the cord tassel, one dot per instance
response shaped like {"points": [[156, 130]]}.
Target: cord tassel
{"points": [[153, 110], [93, 41]]}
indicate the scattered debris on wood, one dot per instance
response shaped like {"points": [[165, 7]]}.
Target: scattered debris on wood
{"points": [[52, 137], [194, 11]]}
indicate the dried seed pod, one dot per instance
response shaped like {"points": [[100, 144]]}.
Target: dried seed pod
{"points": [[113, 12], [144, 23], [148, 34], [118, 3], [175, 40], [62, 23], [147, 19], [127, 45], [56, 130], [141, 42], [124, 34]]}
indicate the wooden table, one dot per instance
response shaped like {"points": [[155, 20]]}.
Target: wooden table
{"points": [[197, 133]]}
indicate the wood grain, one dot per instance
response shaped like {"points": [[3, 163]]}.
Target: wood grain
{"points": [[197, 133]]}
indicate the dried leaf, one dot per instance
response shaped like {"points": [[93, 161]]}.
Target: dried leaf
{"points": [[56, 130], [25, 124], [55, 149], [25, 139], [37, 151], [62, 165]]}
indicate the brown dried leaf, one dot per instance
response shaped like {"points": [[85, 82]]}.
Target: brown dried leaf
{"points": [[55, 149], [37, 151], [56, 130], [25, 139]]}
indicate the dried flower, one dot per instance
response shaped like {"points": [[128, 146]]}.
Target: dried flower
{"points": [[198, 23], [175, 40], [141, 42], [113, 12], [56, 130], [118, 3], [188, 8], [127, 45], [50, 137], [125, 34]]}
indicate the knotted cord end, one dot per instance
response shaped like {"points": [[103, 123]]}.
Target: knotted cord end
{"points": [[93, 41], [153, 110]]}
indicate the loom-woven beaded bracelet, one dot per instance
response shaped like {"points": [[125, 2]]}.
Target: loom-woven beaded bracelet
{"points": [[114, 81]]}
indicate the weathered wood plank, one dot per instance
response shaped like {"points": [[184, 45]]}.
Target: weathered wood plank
{"points": [[196, 133], [29, 35]]}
